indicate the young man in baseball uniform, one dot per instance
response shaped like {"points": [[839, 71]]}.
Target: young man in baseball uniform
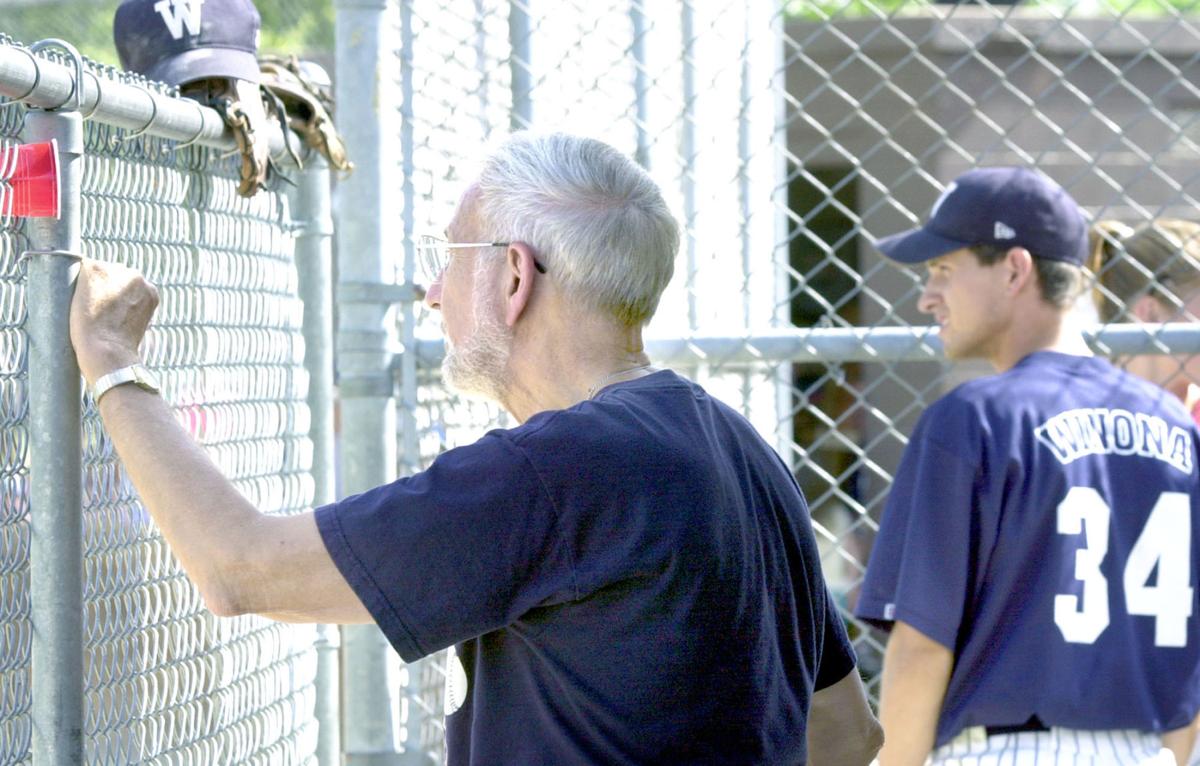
{"points": [[1035, 558]]}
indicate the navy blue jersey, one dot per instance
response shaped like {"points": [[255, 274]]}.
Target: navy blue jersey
{"points": [[632, 580], [1040, 526]]}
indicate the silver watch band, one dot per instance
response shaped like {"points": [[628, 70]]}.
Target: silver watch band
{"points": [[134, 373]]}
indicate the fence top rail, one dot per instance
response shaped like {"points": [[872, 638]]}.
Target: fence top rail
{"points": [[877, 344], [43, 83]]}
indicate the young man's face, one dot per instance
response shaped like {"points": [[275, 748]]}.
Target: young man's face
{"points": [[966, 300]]}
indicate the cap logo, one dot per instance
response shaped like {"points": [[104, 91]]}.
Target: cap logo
{"points": [[1003, 231], [180, 13]]}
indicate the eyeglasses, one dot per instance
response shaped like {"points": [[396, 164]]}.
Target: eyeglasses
{"points": [[433, 254]]}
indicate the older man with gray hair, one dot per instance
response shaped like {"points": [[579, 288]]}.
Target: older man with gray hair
{"points": [[628, 576]]}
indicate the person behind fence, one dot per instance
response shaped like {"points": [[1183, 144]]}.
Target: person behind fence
{"points": [[1152, 274], [1034, 561], [628, 576]]}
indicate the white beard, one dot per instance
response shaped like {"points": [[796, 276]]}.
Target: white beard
{"points": [[478, 368]]}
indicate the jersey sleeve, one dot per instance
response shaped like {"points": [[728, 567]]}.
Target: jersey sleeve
{"points": [[837, 654], [453, 552], [920, 569]]}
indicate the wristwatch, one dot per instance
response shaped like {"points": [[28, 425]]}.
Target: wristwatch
{"points": [[136, 374]]}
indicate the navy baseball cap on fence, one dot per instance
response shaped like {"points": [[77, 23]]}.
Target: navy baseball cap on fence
{"points": [[1005, 206], [177, 41]]}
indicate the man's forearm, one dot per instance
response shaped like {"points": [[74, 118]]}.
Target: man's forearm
{"points": [[1181, 741], [842, 730], [242, 560], [205, 520], [916, 670]]}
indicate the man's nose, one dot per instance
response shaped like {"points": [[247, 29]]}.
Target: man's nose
{"points": [[433, 295]]}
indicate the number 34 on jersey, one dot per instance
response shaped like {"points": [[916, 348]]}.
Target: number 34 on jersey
{"points": [[1164, 543]]}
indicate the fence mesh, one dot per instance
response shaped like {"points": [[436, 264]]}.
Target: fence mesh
{"points": [[15, 631], [166, 681], [788, 137]]}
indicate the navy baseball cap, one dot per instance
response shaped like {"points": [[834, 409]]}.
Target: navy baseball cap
{"points": [[177, 41], [1007, 207]]}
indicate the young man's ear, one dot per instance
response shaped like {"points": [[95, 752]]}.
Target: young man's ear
{"points": [[521, 273], [1019, 262]]}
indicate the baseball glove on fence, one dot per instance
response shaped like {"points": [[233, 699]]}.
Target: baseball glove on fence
{"points": [[305, 95], [289, 93], [241, 106]]}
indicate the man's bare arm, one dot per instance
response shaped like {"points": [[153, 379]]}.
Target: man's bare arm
{"points": [[842, 730], [916, 671], [241, 560], [1181, 741]]}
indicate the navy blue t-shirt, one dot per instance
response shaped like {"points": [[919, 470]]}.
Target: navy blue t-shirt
{"points": [[631, 580], [1040, 526]]}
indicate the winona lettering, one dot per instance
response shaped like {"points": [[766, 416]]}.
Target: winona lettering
{"points": [[1077, 433]]}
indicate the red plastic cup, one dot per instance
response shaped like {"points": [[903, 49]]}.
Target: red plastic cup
{"points": [[32, 180]]}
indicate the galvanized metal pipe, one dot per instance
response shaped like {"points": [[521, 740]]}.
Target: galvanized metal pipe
{"points": [[773, 19], [877, 344], [312, 213], [410, 451], [747, 197], [56, 495], [1137, 338], [46, 84], [687, 153], [637, 47], [365, 212], [520, 65]]}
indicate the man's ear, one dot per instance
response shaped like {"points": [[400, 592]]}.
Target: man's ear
{"points": [[520, 274], [1020, 269]]}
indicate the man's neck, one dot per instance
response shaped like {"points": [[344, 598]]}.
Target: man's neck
{"points": [[570, 363], [1041, 328]]}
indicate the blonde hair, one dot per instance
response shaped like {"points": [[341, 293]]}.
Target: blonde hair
{"points": [[1160, 259]]}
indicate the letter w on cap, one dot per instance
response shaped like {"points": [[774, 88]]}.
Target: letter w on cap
{"points": [[173, 14], [1004, 231]]}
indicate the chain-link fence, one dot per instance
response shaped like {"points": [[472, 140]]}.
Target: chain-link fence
{"points": [[15, 629], [789, 137], [165, 681]]}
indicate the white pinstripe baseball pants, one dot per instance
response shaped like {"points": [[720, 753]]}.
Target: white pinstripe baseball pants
{"points": [[1057, 747]]}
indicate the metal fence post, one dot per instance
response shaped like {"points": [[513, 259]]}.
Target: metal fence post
{"points": [[366, 47], [637, 49], [311, 211], [56, 517], [410, 448], [687, 153], [520, 65]]}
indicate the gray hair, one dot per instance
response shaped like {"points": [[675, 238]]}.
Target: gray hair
{"points": [[594, 219]]}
